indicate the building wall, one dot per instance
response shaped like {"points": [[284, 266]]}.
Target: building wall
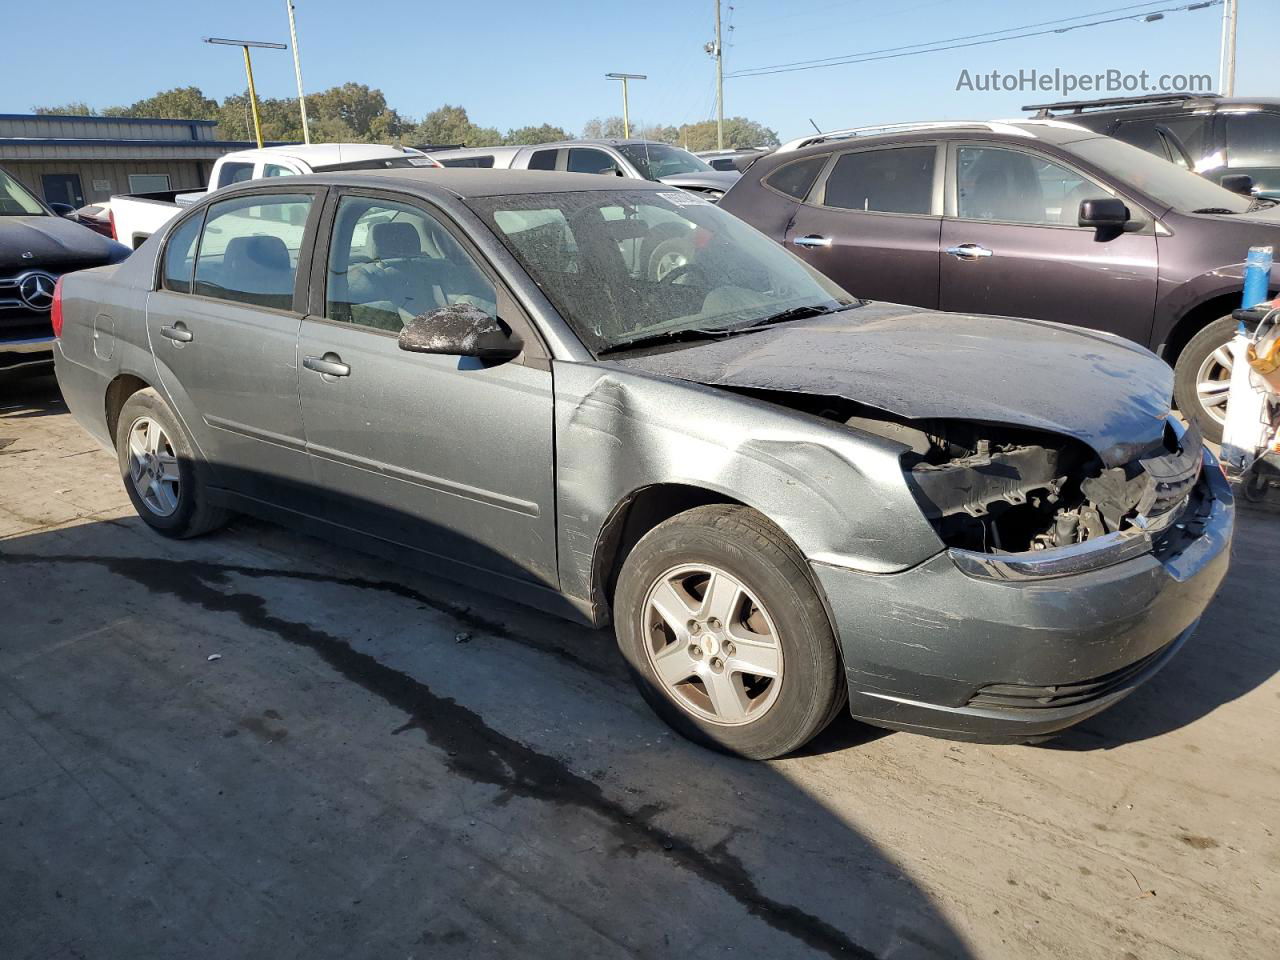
{"points": [[104, 128], [100, 179]]}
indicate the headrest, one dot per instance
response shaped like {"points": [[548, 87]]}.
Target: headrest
{"points": [[256, 253], [390, 240]]}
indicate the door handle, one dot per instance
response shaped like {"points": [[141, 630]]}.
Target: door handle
{"points": [[969, 251], [330, 365], [812, 240], [177, 332]]}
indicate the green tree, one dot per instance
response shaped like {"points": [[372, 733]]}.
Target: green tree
{"points": [[450, 124], [739, 132], [280, 119], [602, 128], [661, 132], [361, 108], [76, 108], [543, 133], [181, 103]]}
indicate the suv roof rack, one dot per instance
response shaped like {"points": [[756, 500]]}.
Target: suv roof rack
{"points": [[995, 126], [1080, 106]]}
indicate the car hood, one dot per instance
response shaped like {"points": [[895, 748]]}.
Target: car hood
{"points": [[54, 244], [720, 180], [1103, 390]]}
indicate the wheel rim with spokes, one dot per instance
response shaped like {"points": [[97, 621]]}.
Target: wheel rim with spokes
{"points": [[1213, 381], [668, 262], [153, 467], [712, 644]]}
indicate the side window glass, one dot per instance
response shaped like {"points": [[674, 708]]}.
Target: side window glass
{"points": [[390, 262], [234, 172], [590, 161], [1143, 135], [887, 181], [1190, 131], [249, 249], [1006, 185], [180, 256], [1253, 140], [795, 178], [543, 160], [275, 170]]}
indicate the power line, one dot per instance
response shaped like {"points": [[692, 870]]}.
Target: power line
{"points": [[974, 40]]}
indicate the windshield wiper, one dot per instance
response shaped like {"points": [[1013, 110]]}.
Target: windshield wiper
{"points": [[1213, 210], [795, 313], [665, 336], [1262, 203]]}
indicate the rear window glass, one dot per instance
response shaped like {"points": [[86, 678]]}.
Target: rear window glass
{"points": [[543, 160], [795, 178], [884, 181], [485, 162], [234, 172], [249, 249]]}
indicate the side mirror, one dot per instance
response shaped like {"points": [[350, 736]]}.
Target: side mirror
{"points": [[1240, 183], [460, 330], [63, 209], [1104, 213]]}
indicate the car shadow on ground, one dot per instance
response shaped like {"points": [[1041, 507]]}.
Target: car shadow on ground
{"points": [[27, 397]]}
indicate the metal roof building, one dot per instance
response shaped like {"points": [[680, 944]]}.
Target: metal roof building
{"points": [[80, 160]]}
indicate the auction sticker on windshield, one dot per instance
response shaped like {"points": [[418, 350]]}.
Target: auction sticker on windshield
{"points": [[682, 199]]}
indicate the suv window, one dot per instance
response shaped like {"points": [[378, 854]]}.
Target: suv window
{"points": [[180, 255], [486, 162], [1253, 140], [1008, 185], [249, 249], [884, 181], [234, 172], [1144, 135], [795, 178], [275, 170], [582, 160], [390, 262], [543, 160]]}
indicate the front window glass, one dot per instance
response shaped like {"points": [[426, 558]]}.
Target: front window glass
{"points": [[249, 249], [1165, 183], [15, 201], [390, 262], [1015, 187], [886, 181], [590, 161], [620, 265], [653, 161]]}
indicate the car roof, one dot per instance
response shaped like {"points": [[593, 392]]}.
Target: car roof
{"points": [[464, 182], [320, 154]]}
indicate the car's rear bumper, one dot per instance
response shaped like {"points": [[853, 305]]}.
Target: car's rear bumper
{"points": [[939, 650], [27, 355]]}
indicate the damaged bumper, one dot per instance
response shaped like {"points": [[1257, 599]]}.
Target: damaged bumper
{"points": [[1016, 647]]}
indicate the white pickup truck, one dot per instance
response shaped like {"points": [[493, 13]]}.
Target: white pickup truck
{"points": [[136, 216]]}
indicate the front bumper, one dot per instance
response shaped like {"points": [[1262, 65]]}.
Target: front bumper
{"points": [[28, 355], [1013, 653]]}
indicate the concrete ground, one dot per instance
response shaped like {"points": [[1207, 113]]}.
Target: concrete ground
{"points": [[381, 765]]}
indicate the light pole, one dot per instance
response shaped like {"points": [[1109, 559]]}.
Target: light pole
{"points": [[1227, 62], [297, 72], [626, 116], [248, 69]]}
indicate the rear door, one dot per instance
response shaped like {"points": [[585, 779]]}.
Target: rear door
{"points": [[1012, 245], [872, 221], [223, 326], [448, 455]]}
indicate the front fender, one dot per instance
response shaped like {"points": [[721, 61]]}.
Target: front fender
{"points": [[839, 494]]}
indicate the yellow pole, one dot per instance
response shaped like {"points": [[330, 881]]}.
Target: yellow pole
{"points": [[253, 97], [626, 117]]}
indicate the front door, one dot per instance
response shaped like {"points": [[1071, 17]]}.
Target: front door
{"points": [[1011, 246], [872, 224], [63, 188], [224, 330], [448, 455]]}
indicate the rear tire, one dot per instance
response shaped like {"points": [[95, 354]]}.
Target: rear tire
{"points": [[1199, 369], [762, 612], [161, 473]]}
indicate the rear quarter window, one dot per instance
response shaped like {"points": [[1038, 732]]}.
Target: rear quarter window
{"points": [[180, 255], [543, 160], [795, 178]]}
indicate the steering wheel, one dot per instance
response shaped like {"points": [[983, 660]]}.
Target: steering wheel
{"points": [[678, 271]]}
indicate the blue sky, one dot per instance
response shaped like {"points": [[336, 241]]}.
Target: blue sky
{"points": [[511, 63]]}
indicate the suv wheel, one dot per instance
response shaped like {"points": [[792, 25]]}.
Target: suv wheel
{"points": [[159, 469], [724, 633], [1202, 377]]}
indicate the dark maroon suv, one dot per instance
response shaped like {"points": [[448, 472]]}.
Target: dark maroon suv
{"points": [[1034, 218]]}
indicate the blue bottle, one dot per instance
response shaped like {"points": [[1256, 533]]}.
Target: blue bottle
{"points": [[1257, 276]]}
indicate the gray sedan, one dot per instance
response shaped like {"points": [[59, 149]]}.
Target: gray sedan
{"points": [[787, 500]]}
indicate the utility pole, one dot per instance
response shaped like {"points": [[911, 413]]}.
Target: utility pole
{"points": [[719, 83], [297, 72], [626, 115], [248, 69], [1227, 62]]}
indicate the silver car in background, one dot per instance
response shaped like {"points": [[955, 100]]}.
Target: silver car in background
{"points": [[788, 501]]}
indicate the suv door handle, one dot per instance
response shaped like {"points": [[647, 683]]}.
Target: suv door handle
{"points": [[812, 240], [330, 365], [178, 332], [969, 251]]}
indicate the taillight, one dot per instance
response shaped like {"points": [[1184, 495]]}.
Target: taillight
{"points": [[111, 218], [55, 309]]}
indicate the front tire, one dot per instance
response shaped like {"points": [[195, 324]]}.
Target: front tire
{"points": [[1202, 377], [160, 470], [725, 635]]}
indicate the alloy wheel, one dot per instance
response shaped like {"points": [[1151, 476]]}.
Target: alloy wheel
{"points": [[1213, 382], [153, 467]]}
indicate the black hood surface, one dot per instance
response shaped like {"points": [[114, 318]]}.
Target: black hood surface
{"points": [[1105, 391], [55, 244]]}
